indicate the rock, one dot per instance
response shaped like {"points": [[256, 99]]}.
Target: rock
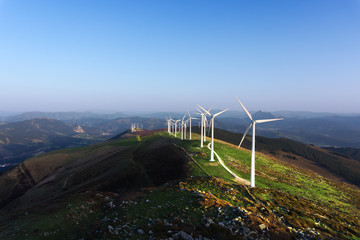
{"points": [[182, 235], [140, 231], [262, 226], [238, 219], [111, 204], [245, 230]]}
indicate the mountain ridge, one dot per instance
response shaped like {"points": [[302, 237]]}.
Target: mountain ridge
{"points": [[139, 186]]}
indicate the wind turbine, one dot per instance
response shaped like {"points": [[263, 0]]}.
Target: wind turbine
{"points": [[182, 127], [168, 122], [252, 124], [212, 129], [206, 123], [175, 126], [185, 127], [203, 125], [190, 122]]}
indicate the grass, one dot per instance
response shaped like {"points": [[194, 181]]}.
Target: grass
{"points": [[303, 200], [273, 175]]}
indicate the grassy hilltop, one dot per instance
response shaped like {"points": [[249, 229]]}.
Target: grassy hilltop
{"points": [[152, 185]]}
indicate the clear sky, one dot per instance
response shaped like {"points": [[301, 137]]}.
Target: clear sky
{"points": [[61, 55]]}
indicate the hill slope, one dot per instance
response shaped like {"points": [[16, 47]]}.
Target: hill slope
{"points": [[115, 190], [319, 160], [22, 140]]}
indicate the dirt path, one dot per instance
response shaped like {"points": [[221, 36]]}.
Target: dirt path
{"points": [[237, 178]]}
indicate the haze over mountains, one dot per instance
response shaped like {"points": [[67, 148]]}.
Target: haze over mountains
{"points": [[28, 134]]}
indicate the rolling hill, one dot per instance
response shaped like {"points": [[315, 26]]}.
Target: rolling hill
{"points": [[151, 185], [63, 116], [327, 131], [22, 140]]}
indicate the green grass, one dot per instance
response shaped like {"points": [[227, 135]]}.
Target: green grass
{"points": [[304, 199]]}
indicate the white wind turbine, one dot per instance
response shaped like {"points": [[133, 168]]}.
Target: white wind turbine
{"points": [[206, 124], [190, 123], [252, 124], [185, 127], [203, 126], [182, 127], [175, 126], [168, 122], [212, 129]]}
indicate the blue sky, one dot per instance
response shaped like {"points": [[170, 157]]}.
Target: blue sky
{"points": [[301, 55]]}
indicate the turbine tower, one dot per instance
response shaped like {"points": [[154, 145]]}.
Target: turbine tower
{"points": [[190, 123], [203, 125], [252, 124], [212, 117], [176, 121], [182, 127], [168, 122]]}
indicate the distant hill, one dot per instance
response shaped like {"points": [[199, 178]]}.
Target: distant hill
{"points": [[339, 131], [353, 153], [24, 139], [302, 114], [64, 116], [262, 115], [21, 140], [32, 131], [110, 127]]}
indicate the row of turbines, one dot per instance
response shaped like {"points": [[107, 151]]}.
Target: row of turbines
{"points": [[179, 126], [175, 126], [135, 127]]}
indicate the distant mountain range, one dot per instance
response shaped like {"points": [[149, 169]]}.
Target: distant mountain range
{"points": [[339, 131], [64, 116], [25, 139], [28, 138]]}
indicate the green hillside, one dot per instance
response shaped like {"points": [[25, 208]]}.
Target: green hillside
{"points": [[156, 186], [293, 152]]}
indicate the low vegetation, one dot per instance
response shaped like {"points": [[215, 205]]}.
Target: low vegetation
{"points": [[194, 199]]}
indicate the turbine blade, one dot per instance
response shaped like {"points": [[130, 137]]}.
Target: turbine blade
{"points": [[183, 117], [204, 109], [245, 133], [220, 112], [268, 120], [208, 125], [246, 111], [198, 110]]}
